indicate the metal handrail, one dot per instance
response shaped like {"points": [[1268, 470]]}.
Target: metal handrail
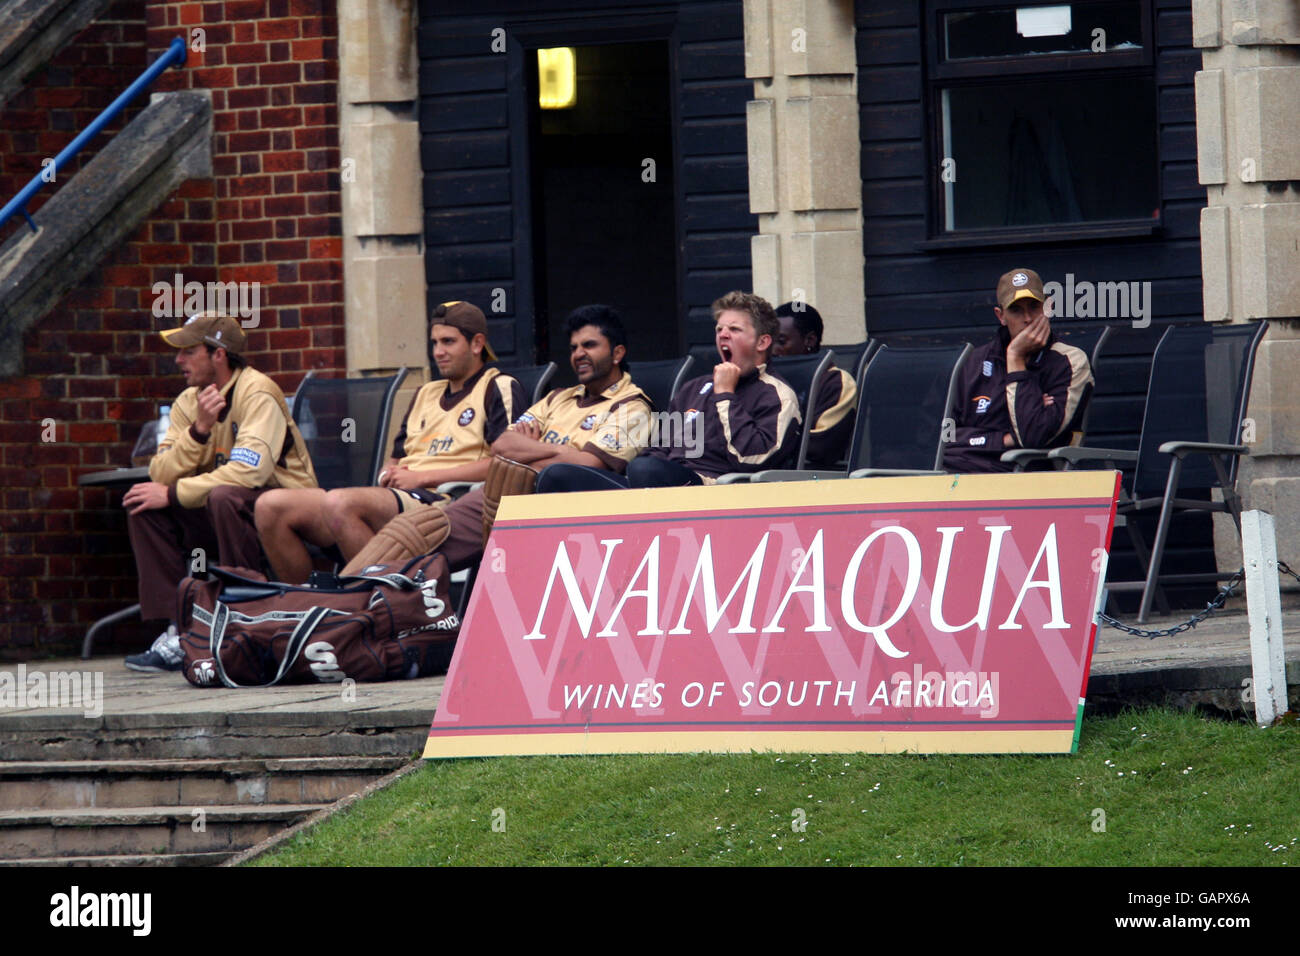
{"points": [[175, 54]]}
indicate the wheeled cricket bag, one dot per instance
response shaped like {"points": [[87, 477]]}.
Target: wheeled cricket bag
{"points": [[394, 621]]}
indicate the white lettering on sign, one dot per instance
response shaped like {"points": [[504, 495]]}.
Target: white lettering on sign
{"points": [[809, 577]]}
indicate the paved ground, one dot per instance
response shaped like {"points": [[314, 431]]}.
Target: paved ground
{"points": [[127, 693], [1204, 666]]}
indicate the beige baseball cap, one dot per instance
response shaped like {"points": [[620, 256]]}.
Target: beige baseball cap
{"points": [[210, 328]]}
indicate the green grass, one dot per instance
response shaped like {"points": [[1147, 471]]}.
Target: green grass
{"points": [[1176, 789]]}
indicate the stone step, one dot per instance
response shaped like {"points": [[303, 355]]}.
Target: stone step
{"points": [[209, 735], [213, 858], [75, 784], [134, 831]]}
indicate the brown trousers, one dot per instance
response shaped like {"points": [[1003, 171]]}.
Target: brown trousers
{"points": [[464, 544], [163, 540]]}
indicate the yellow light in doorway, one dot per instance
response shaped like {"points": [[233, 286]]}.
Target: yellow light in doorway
{"points": [[557, 80]]}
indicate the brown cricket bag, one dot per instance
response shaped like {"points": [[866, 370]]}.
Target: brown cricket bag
{"points": [[240, 630]]}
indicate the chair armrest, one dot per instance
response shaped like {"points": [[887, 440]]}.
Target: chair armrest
{"points": [[778, 474], [735, 477], [1184, 448], [890, 472], [1073, 453], [1023, 456], [457, 488]]}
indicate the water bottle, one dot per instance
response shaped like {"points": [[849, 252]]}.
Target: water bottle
{"points": [[164, 422]]}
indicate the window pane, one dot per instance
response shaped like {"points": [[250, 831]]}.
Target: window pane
{"points": [[1050, 151], [990, 33]]}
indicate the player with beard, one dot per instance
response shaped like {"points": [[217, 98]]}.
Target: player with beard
{"points": [[749, 417], [600, 425]]}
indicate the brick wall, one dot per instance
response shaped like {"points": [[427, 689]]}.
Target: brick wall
{"points": [[95, 365]]}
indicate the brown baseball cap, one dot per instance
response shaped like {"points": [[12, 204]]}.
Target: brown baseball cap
{"points": [[468, 318], [1019, 284], [210, 328]]}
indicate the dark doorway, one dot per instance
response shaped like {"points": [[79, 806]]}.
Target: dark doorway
{"points": [[604, 216]]}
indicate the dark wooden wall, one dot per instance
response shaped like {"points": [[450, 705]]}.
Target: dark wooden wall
{"points": [[915, 290], [474, 149]]}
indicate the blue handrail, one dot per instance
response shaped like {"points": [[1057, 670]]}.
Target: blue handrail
{"points": [[175, 54]]}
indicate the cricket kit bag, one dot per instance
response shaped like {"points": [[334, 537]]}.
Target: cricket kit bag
{"points": [[391, 622]]}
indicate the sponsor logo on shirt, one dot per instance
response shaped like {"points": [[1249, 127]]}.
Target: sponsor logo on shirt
{"points": [[691, 414], [705, 389], [979, 440], [610, 441], [614, 388], [981, 404], [246, 456], [466, 417], [526, 417]]}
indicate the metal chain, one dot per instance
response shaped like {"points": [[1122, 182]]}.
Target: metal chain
{"points": [[1220, 599], [1282, 566]]}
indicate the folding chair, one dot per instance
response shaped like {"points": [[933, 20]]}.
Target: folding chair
{"points": [[902, 403], [854, 358], [533, 379], [1196, 401], [661, 380], [1091, 341], [346, 424]]}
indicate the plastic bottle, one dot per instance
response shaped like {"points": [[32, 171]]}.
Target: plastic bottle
{"points": [[164, 422]]}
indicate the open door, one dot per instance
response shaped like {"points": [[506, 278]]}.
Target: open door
{"points": [[604, 217]]}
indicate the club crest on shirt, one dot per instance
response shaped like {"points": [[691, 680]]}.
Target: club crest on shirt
{"points": [[588, 423], [988, 369], [466, 417]]}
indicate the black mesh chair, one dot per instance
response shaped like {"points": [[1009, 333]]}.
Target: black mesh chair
{"points": [[1092, 341], [345, 423], [802, 373], [533, 379], [902, 410], [661, 380], [854, 358], [1191, 440], [902, 403]]}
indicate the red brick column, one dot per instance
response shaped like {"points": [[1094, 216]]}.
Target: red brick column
{"points": [[95, 365]]}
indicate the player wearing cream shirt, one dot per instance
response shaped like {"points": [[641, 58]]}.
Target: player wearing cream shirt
{"points": [[446, 436]]}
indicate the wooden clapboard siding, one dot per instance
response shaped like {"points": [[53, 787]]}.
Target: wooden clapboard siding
{"points": [[912, 289], [474, 146]]}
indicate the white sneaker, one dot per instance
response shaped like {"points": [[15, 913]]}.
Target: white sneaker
{"points": [[163, 655]]}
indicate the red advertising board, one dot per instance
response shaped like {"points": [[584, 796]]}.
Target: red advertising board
{"points": [[929, 614]]}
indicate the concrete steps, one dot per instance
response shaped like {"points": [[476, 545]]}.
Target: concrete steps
{"points": [[215, 858], [210, 735], [137, 831], [166, 775], [107, 784]]}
